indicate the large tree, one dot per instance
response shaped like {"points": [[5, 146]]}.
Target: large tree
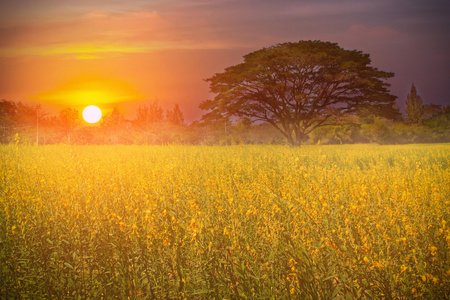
{"points": [[297, 87]]}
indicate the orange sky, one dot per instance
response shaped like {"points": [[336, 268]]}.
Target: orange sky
{"points": [[128, 53], [73, 56], [126, 80]]}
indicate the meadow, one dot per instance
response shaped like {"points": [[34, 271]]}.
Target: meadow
{"points": [[235, 222]]}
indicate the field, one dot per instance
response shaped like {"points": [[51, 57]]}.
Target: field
{"points": [[237, 222]]}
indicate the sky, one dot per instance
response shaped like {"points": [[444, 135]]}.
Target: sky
{"points": [[74, 53]]}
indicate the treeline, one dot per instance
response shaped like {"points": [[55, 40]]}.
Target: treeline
{"points": [[27, 124], [433, 128], [436, 129]]}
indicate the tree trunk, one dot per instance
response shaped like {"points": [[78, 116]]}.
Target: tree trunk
{"points": [[298, 137], [290, 139], [297, 143]]}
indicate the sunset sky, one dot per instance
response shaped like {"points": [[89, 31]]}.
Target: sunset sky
{"points": [[73, 53]]}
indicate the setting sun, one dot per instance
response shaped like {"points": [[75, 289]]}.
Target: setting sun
{"points": [[92, 114]]}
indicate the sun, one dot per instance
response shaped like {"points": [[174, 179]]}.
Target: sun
{"points": [[92, 114]]}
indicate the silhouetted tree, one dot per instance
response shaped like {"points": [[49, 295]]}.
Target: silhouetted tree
{"points": [[414, 107], [19, 118], [175, 117], [113, 120], [431, 110], [297, 87], [149, 115], [148, 123], [8, 114], [69, 119], [113, 124]]}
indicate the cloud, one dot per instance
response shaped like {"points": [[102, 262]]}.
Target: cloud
{"points": [[193, 24], [93, 32]]}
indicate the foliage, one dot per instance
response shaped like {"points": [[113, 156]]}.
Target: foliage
{"points": [[114, 128], [69, 118], [338, 134], [243, 222], [8, 110], [297, 87], [18, 117], [440, 122], [432, 110], [147, 116], [434, 130], [414, 107], [148, 124], [175, 117]]}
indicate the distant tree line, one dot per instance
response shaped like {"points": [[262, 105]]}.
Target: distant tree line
{"points": [[32, 125], [424, 123]]}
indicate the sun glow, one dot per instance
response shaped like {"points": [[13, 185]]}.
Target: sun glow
{"points": [[83, 89], [92, 114]]}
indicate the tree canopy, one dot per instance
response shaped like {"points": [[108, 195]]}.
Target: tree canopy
{"points": [[297, 87]]}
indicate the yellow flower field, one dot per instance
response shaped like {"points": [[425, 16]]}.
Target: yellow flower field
{"points": [[237, 222]]}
